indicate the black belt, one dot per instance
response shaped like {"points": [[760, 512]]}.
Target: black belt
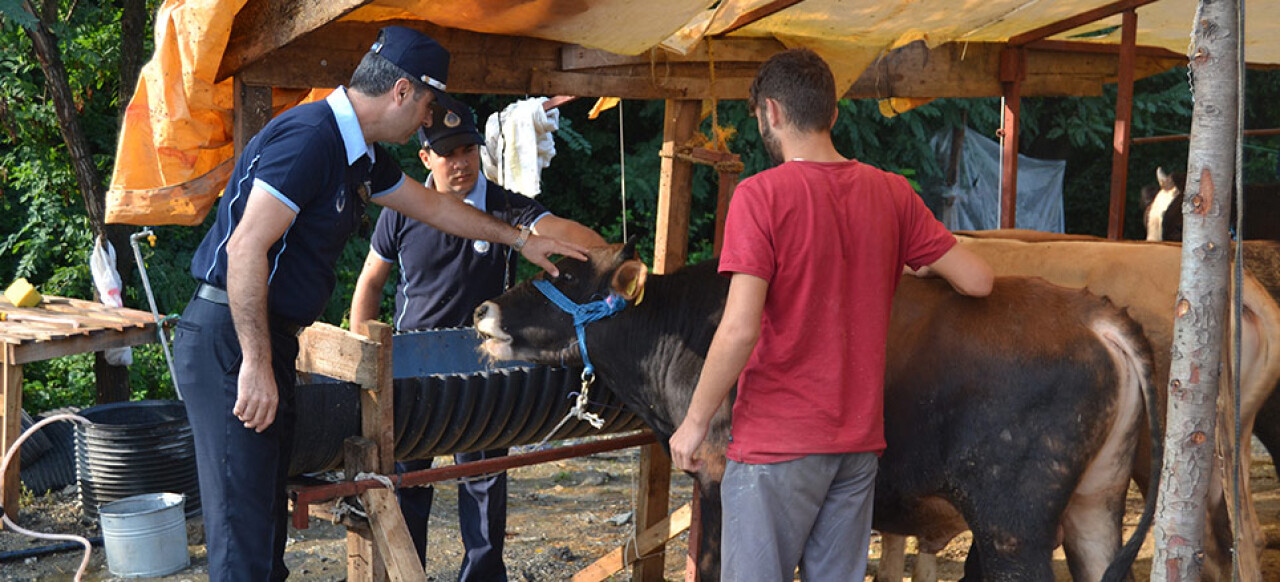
{"points": [[217, 295]]}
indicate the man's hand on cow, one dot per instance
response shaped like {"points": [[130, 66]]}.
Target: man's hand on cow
{"points": [[685, 443], [538, 250]]}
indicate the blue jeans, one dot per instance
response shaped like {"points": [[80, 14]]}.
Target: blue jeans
{"points": [[482, 517]]}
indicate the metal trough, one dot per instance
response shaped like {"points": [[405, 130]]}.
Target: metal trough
{"points": [[448, 401]]}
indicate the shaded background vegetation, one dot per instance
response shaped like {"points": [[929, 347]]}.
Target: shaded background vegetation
{"points": [[45, 235]]}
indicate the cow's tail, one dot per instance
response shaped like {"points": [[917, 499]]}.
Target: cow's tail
{"points": [[1139, 355]]}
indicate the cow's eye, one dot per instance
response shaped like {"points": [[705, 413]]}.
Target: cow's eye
{"points": [[566, 277]]}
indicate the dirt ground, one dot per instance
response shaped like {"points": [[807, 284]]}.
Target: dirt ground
{"points": [[562, 516]]}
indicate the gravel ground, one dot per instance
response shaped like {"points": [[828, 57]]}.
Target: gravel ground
{"points": [[562, 516]]}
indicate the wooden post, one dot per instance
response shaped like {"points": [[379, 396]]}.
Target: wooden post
{"points": [[377, 423], [1012, 72], [252, 110], [1123, 128], [377, 412], [675, 185], [363, 562], [11, 383], [728, 181], [671, 249]]}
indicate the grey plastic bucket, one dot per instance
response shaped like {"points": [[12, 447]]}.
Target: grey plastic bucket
{"points": [[145, 535]]}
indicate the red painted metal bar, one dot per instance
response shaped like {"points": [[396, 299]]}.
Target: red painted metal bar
{"points": [[1081, 19], [1185, 136], [303, 497], [1012, 71], [1120, 143]]}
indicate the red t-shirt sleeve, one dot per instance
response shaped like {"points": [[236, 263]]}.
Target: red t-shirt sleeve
{"points": [[748, 241]]}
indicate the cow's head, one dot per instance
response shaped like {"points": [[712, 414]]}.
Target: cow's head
{"points": [[522, 324]]}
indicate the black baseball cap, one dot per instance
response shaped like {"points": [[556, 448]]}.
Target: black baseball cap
{"points": [[453, 124], [420, 56]]}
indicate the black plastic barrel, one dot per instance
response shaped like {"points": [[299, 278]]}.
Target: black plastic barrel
{"points": [[134, 448]]}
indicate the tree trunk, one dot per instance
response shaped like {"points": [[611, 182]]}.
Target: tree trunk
{"points": [[1201, 310], [133, 23], [112, 381]]}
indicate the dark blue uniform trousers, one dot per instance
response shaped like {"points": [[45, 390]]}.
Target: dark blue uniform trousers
{"points": [[482, 517], [242, 472]]}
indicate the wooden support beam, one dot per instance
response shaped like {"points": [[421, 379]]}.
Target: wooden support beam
{"points": [[653, 497], [1011, 75], [1076, 21], [251, 106], [645, 542], [377, 410], [490, 63], [1123, 128], [363, 562], [675, 186], [339, 354], [262, 26], [11, 383]]}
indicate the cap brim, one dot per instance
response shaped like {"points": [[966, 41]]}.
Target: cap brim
{"points": [[446, 144]]}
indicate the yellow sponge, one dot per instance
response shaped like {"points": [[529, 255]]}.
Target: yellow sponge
{"points": [[22, 294]]}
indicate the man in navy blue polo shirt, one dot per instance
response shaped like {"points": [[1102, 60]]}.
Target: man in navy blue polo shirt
{"points": [[266, 268], [442, 279]]}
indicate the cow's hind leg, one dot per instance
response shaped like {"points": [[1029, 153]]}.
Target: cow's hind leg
{"points": [[893, 552], [710, 526]]}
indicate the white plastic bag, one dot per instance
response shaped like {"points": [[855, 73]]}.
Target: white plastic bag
{"points": [[102, 263]]}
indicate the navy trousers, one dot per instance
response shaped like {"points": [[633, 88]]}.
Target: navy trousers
{"points": [[482, 517], [242, 472]]}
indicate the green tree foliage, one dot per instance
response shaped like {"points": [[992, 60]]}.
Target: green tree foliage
{"points": [[44, 233]]}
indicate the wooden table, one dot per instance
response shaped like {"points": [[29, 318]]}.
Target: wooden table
{"points": [[57, 327]]}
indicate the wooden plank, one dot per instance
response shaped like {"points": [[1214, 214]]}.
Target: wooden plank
{"points": [[337, 353], [675, 187], [262, 26], [652, 501], [1076, 46], [377, 410], [90, 342], [640, 86], [1076, 21], [1123, 127], [11, 383], [363, 562], [727, 50], [392, 536], [251, 110], [646, 542], [479, 63]]}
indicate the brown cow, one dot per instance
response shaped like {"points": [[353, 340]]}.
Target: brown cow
{"points": [[1143, 278], [1014, 415]]}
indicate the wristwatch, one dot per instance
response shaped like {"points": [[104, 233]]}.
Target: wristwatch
{"points": [[522, 238]]}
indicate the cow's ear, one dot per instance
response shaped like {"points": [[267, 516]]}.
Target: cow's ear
{"points": [[628, 280], [1165, 180]]}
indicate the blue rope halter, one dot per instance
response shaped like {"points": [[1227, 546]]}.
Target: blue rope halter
{"points": [[582, 314]]}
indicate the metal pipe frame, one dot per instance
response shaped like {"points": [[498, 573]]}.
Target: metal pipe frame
{"points": [[303, 497]]}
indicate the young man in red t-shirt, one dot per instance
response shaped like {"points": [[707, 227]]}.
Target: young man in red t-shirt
{"points": [[814, 248]]}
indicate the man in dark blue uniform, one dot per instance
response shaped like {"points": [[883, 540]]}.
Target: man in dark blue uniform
{"points": [[266, 268], [442, 279]]}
